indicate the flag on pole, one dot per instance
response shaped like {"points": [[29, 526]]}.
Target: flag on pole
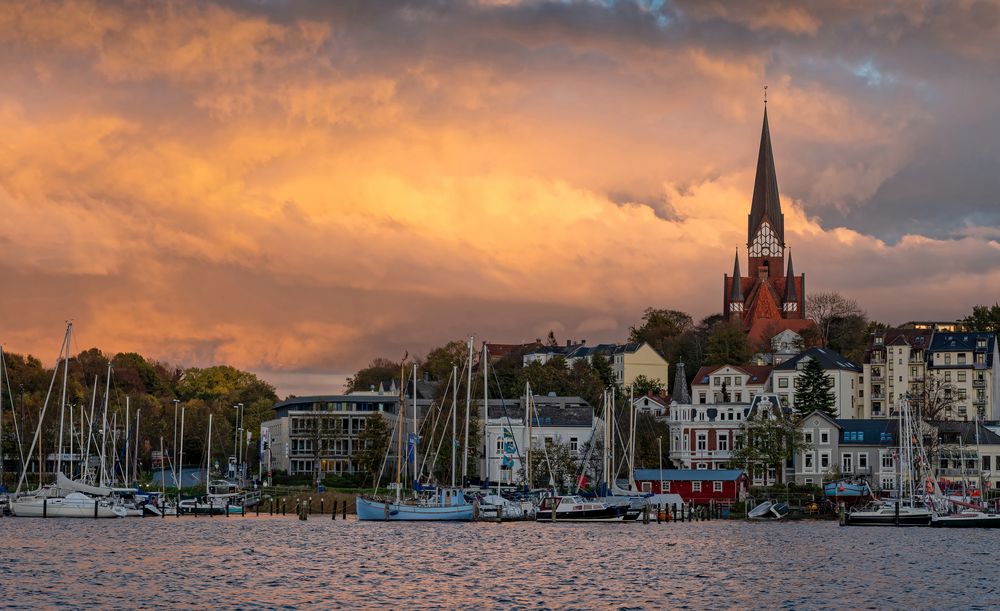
{"points": [[412, 439]]}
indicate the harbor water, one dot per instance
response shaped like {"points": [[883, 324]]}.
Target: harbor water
{"points": [[269, 562]]}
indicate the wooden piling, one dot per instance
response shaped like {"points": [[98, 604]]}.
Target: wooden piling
{"points": [[344, 516], [334, 512]]}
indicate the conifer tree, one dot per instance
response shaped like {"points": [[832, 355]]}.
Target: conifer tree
{"points": [[815, 390]]}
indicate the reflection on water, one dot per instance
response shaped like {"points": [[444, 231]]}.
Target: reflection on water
{"points": [[271, 562]]}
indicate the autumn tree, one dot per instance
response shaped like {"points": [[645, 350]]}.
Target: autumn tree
{"points": [[826, 307], [374, 443], [727, 345], [642, 385], [659, 326], [378, 370], [767, 441]]}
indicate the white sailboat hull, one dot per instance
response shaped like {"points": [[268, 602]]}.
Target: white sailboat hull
{"points": [[74, 505]]}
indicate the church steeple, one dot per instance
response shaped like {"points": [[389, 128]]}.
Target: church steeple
{"points": [[791, 295], [766, 205], [736, 290]]}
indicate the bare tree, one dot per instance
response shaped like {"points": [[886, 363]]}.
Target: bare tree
{"points": [[825, 308], [937, 400]]}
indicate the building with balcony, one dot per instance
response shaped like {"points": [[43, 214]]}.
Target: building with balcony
{"points": [[895, 364], [844, 373], [965, 378], [741, 383], [847, 449], [320, 435], [569, 421]]}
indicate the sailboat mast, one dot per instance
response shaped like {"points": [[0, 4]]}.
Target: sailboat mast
{"points": [[400, 415], [468, 409], [135, 446], [454, 424], [607, 437], [128, 436], [416, 475], [90, 423], [527, 444], [62, 409], [631, 441], [486, 407], [104, 429], [180, 464], [208, 458]]}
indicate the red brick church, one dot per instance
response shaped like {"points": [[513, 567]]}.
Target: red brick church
{"points": [[770, 298]]}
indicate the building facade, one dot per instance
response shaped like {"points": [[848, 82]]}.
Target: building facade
{"points": [[569, 421], [721, 487], [962, 367], [741, 382], [844, 373], [895, 364], [639, 359]]}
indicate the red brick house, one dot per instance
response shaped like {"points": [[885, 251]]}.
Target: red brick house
{"points": [[698, 486]]}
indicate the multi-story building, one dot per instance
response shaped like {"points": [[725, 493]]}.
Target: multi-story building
{"points": [[741, 382], [556, 421], [844, 373], [847, 449], [628, 361], [656, 406], [702, 436], [639, 359], [964, 454], [963, 376], [319, 435], [895, 364]]}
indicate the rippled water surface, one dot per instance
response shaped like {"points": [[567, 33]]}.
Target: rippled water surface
{"points": [[283, 562]]}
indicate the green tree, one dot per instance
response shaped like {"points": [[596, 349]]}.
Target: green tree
{"points": [[439, 362], [815, 390], [647, 446], [602, 366], [849, 336], [984, 319], [556, 463], [726, 397], [374, 442], [378, 370], [643, 385], [767, 440], [659, 326], [728, 345]]}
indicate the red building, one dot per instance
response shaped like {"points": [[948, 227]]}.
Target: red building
{"points": [[769, 299], [698, 486]]}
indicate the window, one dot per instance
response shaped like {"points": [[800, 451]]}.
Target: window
{"points": [[809, 481], [701, 397], [739, 397], [718, 380], [824, 460], [947, 359], [808, 461], [986, 463], [665, 487], [702, 441], [847, 463], [695, 486], [782, 382], [809, 437], [824, 437], [961, 376], [647, 487], [703, 466], [723, 443], [961, 358], [717, 486], [574, 444], [862, 460]]}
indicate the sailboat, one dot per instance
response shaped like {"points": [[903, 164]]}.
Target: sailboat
{"points": [[909, 508], [53, 501], [447, 504], [971, 515]]}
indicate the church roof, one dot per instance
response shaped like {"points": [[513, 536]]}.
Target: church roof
{"points": [[766, 203]]}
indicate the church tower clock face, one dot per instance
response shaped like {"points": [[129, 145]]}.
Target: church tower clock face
{"points": [[765, 242]]}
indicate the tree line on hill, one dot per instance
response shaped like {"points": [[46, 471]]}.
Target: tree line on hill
{"points": [[152, 387]]}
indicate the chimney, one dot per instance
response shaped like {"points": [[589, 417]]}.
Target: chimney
{"points": [[583, 342], [569, 343]]}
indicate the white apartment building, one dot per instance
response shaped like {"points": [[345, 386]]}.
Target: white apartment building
{"points": [[966, 365], [741, 382], [844, 373], [895, 364]]}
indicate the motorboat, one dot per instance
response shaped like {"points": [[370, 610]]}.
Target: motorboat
{"points": [[509, 510], [969, 518], [768, 510], [575, 508]]}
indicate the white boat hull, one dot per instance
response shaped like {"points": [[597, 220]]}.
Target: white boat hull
{"points": [[74, 505], [369, 509]]}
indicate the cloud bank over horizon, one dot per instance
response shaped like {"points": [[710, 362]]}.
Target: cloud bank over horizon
{"points": [[298, 187]]}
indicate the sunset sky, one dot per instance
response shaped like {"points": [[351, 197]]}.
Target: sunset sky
{"points": [[297, 187]]}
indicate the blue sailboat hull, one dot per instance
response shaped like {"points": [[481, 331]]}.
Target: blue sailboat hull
{"points": [[370, 509]]}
